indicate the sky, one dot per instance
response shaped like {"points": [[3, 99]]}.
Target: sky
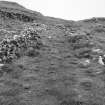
{"points": [[66, 9]]}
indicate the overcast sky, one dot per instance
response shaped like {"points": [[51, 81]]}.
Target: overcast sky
{"points": [[66, 9]]}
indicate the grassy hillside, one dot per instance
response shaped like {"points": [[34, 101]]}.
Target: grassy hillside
{"points": [[49, 61]]}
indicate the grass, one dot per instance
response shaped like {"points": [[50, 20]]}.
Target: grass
{"points": [[52, 74]]}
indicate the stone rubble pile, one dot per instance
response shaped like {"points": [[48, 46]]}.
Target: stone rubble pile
{"points": [[11, 48]]}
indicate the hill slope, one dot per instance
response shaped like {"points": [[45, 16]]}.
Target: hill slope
{"points": [[49, 61]]}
